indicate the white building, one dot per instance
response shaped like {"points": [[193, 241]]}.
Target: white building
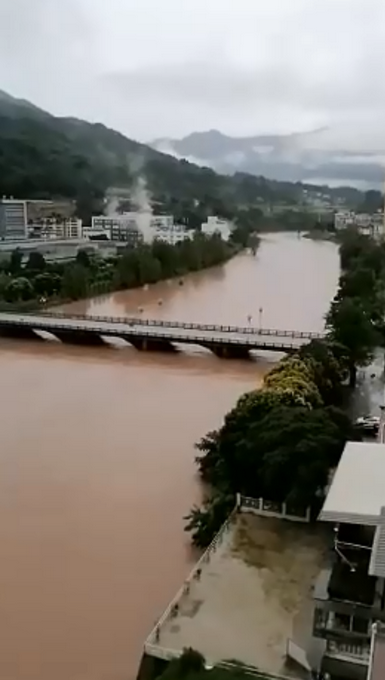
{"points": [[215, 225], [118, 227], [139, 227], [344, 219], [50, 228], [13, 219], [370, 224], [170, 233], [162, 222], [349, 594], [109, 222]]}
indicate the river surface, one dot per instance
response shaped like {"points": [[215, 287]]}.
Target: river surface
{"points": [[97, 461]]}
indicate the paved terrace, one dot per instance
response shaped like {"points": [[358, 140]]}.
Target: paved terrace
{"points": [[162, 333], [243, 599]]}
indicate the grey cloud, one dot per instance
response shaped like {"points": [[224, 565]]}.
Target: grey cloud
{"points": [[154, 68]]}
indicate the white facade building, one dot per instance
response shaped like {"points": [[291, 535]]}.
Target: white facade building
{"points": [[139, 227], [170, 233], [13, 219], [370, 224], [49, 228], [344, 219], [215, 225], [118, 227]]}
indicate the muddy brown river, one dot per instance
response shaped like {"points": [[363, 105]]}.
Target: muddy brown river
{"points": [[97, 461]]}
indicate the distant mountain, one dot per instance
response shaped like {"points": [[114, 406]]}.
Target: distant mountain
{"points": [[46, 156], [297, 157]]}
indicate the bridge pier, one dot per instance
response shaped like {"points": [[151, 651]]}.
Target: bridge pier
{"points": [[149, 344], [228, 351], [19, 332], [73, 337]]}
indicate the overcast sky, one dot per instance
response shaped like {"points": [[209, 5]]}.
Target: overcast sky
{"points": [[154, 68]]}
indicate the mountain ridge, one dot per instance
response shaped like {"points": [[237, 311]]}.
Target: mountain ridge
{"points": [[42, 155], [295, 157]]}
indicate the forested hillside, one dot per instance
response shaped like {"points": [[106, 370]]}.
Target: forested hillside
{"points": [[44, 156]]}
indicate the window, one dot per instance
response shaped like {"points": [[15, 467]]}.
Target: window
{"points": [[342, 621], [360, 625], [321, 619]]}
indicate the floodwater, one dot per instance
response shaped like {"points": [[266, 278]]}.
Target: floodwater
{"points": [[97, 461]]}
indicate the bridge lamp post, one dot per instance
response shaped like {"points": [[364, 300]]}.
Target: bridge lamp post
{"points": [[260, 317]]}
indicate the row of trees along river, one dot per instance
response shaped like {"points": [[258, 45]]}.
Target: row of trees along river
{"points": [[25, 285], [280, 442], [97, 454]]}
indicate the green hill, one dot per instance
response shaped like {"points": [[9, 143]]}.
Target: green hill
{"points": [[46, 156]]}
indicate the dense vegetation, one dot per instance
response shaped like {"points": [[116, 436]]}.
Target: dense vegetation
{"points": [[356, 316], [36, 280], [281, 441]]}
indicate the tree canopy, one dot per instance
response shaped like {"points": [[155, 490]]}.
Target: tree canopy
{"points": [[279, 442], [90, 273], [356, 316]]}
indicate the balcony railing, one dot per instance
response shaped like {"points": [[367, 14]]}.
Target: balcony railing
{"points": [[348, 651]]}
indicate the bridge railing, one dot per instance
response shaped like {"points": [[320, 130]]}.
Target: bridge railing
{"points": [[138, 321]]}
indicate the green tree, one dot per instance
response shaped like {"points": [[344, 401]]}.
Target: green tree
{"points": [[15, 261], [4, 281], [36, 261], [349, 324], [75, 282], [47, 284], [286, 455], [328, 369], [148, 268], [18, 290], [83, 259]]}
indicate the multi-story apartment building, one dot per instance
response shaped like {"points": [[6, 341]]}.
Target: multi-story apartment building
{"points": [[13, 219], [50, 228], [370, 224], [18, 217], [118, 227], [139, 227], [127, 233], [349, 595], [169, 232]]}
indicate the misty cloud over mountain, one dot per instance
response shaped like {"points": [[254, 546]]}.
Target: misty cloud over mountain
{"points": [[317, 156]]}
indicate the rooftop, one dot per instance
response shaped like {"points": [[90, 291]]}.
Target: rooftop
{"points": [[357, 492], [243, 602]]}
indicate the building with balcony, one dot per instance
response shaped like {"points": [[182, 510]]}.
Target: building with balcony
{"points": [[13, 219], [349, 596], [123, 228], [52, 228]]}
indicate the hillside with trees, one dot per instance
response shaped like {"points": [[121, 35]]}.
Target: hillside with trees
{"points": [[45, 156]]}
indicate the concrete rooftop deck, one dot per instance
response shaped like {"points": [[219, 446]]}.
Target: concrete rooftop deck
{"points": [[242, 604]]}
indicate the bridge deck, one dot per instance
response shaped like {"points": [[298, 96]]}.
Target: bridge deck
{"points": [[168, 331]]}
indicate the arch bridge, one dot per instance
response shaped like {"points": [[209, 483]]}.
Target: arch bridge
{"points": [[151, 334]]}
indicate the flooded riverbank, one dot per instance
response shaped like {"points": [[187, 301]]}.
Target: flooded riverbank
{"points": [[97, 461]]}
